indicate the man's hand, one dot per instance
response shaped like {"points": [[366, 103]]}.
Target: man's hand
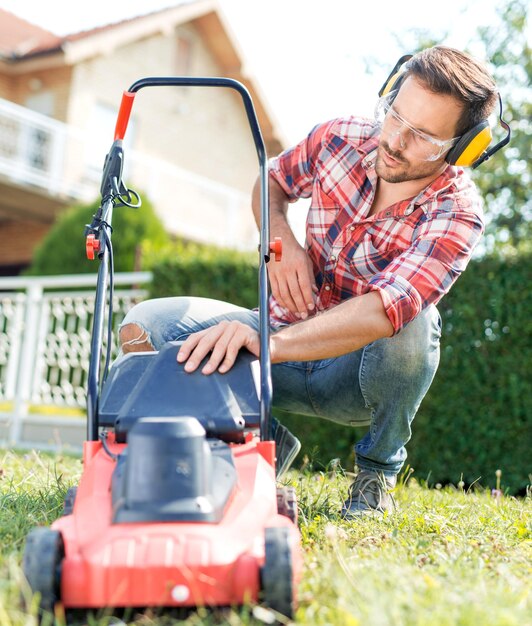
{"points": [[292, 280], [224, 340]]}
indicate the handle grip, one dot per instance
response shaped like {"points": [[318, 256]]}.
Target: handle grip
{"points": [[123, 114]]}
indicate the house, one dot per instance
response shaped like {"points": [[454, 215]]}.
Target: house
{"points": [[189, 150]]}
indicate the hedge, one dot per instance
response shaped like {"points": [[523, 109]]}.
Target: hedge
{"points": [[223, 275], [475, 419]]}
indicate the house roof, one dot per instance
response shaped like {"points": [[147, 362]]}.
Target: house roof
{"points": [[25, 46], [22, 40], [18, 38]]}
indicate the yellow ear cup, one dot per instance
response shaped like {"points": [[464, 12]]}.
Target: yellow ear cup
{"points": [[470, 146], [475, 148]]}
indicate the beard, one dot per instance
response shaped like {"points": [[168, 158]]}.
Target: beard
{"points": [[404, 170]]}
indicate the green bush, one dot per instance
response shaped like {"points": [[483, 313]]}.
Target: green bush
{"points": [[476, 416], [195, 270], [62, 251]]}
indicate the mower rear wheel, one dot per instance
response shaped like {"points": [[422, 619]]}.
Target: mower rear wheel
{"points": [[276, 574], [41, 564], [287, 503], [70, 498]]}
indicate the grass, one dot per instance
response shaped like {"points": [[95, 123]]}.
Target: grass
{"points": [[446, 558]]}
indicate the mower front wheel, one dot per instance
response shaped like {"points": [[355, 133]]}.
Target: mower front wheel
{"points": [[276, 574], [41, 564]]}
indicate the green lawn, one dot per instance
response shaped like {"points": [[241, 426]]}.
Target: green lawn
{"points": [[447, 558]]}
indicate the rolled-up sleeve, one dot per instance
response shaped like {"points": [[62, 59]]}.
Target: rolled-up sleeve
{"points": [[425, 272]]}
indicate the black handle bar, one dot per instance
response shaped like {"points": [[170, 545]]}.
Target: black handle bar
{"points": [[264, 325]]}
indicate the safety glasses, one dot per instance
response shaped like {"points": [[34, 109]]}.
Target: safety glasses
{"points": [[419, 144]]}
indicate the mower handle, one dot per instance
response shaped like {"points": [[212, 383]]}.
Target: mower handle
{"points": [[264, 246]]}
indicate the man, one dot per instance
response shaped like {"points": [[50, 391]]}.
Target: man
{"points": [[391, 226]]}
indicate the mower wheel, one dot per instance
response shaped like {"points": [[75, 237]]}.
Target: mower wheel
{"points": [[287, 503], [41, 564], [276, 574], [70, 498]]}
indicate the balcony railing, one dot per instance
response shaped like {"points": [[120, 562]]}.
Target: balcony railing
{"points": [[43, 153], [32, 148]]}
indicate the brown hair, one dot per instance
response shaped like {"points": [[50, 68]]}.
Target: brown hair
{"points": [[449, 71]]}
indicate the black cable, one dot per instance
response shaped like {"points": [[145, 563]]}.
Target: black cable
{"points": [[100, 228], [103, 437], [109, 246], [133, 199]]}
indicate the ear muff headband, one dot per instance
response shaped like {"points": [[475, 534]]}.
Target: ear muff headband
{"points": [[497, 146], [396, 77], [472, 148]]}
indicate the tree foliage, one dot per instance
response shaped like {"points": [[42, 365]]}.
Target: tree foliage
{"points": [[505, 179]]}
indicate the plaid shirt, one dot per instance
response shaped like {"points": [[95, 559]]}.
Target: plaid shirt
{"points": [[411, 253]]}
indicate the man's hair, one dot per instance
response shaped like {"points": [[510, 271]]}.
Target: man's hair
{"points": [[448, 71]]}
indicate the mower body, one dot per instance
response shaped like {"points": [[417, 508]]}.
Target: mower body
{"points": [[175, 512]]}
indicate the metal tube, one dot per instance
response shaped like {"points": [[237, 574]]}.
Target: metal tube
{"points": [[93, 383]]}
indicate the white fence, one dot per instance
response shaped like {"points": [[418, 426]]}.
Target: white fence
{"points": [[45, 326]]}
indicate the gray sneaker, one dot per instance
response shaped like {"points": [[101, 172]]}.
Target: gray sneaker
{"points": [[370, 493]]}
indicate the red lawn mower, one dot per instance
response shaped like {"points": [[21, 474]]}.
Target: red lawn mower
{"points": [[178, 504]]}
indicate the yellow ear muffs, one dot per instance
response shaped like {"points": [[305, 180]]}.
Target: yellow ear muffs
{"points": [[470, 146], [471, 150]]}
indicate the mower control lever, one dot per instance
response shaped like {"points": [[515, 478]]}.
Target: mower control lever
{"points": [[92, 245], [276, 246]]}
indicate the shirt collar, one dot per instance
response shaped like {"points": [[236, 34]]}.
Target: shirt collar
{"points": [[368, 153], [368, 149], [438, 185]]}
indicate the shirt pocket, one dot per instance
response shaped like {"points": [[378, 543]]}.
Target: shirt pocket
{"points": [[368, 259], [322, 213]]}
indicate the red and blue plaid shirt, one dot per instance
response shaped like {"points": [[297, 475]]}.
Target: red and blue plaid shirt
{"points": [[411, 253]]}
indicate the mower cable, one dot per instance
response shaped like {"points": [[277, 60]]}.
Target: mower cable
{"points": [[103, 437], [109, 246], [133, 199]]}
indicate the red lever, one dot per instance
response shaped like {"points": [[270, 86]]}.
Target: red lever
{"points": [[92, 245], [276, 246]]}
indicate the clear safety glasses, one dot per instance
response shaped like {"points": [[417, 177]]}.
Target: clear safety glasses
{"points": [[419, 144]]}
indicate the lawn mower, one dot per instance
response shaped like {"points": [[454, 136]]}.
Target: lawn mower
{"points": [[178, 504]]}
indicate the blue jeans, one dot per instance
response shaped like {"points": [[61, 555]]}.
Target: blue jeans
{"points": [[380, 385]]}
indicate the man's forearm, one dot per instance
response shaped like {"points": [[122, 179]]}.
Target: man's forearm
{"points": [[345, 328]]}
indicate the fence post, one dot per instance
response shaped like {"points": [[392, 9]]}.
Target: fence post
{"points": [[27, 361], [14, 340]]}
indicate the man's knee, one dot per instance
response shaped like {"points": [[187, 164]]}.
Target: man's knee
{"points": [[133, 338], [416, 347]]}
